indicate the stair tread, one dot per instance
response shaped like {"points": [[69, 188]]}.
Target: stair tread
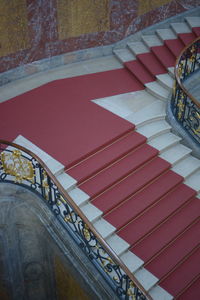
{"points": [[151, 40], [164, 55], [187, 166], [157, 89], [131, 184], [117, 171], [151, 112], [154, 128], [187, 38], [107, 156], [180, 27], [164, 141], [175, 46], [193, 180], [175, 252], [158, 213], [175, 153], [149, 195], [184, 274], [124, 54], [151, 63], [166, 80], [192, 292], [166, 34], [138, 47], [172, 228], [193, 21], [139, 71]]}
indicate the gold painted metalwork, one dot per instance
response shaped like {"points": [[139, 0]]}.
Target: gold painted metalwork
{"points": [[82, 17], [181, 107], [86, 232], [14, 34], [146, 6], [68, 217], [16, 165], [131, 292], [45, 184]]}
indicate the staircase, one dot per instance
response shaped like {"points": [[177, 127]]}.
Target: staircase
{"points": [[141, 191]]}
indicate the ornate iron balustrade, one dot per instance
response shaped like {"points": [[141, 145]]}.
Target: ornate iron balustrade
{"points": [[20, 166], [185, 107]]}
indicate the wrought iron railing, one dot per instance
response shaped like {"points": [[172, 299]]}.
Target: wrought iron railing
{"points": [[19, 165], [185, 107]]}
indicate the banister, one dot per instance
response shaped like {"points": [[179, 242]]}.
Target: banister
{"points": [[126, 285]]}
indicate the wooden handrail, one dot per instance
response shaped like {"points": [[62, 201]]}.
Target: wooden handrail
{"points": [[78, 211]]}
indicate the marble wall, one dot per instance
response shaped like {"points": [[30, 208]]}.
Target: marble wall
{"points": [[32, 30]]}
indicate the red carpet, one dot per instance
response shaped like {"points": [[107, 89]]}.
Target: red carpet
{"points": [[60, 118]]}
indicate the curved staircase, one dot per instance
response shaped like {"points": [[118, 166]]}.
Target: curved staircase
{"points": [[141, 190]]}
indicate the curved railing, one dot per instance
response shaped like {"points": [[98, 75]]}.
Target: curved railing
{"points": [[21, 166], [185, 107]]}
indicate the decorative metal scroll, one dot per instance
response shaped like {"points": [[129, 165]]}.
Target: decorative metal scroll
{"points": [[22, 168], [184, 107]]}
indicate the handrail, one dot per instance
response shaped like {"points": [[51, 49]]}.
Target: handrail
{"points": [[184, 106], [21, 166]]}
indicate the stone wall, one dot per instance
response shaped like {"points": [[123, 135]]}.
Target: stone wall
{"points": [[33, 30]]}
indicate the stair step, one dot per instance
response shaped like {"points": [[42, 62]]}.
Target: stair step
{"points": [[193, 181], [175, 46], [116, 172], [175, 252], [66, 181], [187, 38], [166, 81], [192, 292], [164, 141], [154, 129], [91, 212], [159, 293], [104, 228], [154, 111], [151, 63], [166, 34], [193, 21], [157, 215], [157, 90], [146, 279], [187, 166], [176, 153], [117, 244], [124, 55], [183, 275], [139, 71], [130, 185], [164, 55], [152, 244], [130, 209], [78, 196], [138, 47], [171, 71], [132, 261], [106, 156], [180, 27], [151, 40]]}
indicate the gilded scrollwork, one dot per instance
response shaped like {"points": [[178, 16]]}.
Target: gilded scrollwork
{"points": [[16, 165]]}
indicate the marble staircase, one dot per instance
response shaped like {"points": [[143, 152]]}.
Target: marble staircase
{"points": [[141, 191]]}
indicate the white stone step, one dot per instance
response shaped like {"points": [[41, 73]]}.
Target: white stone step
{"points": [[176, 153], [159, 293], [166, 34], [164, 141], [138, 47], [180, 28], [171, 72], [193, 21], [187, 166], [104, 228], [147, 279], [132, 261], [166, 81], [124, 55], [152, 40], [91, 212], [118, 245], [78, 196], [157, 90], [154, 111], [194, 181], [154, 129], [67, 182]]}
